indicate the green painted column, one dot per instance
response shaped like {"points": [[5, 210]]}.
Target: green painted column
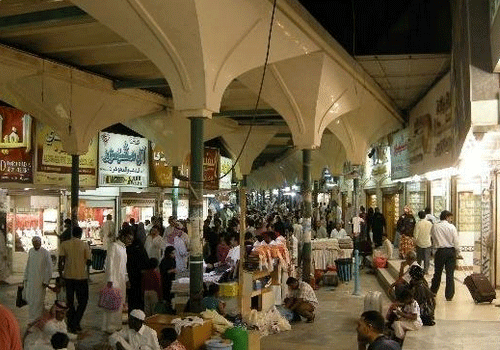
{"points": [[307, 200], [75, 187], [196, 214]]}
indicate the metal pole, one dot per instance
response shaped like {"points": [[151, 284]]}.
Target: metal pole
{"points": [[75, 187], [196, 214], [243, 228], [357, 282], [306, 192]]}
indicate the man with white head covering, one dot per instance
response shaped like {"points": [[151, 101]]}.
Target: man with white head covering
{"points": [[137, 336], [37, 276]]}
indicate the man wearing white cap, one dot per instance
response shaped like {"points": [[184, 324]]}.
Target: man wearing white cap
{"points": [[37, 276], [137, 336]]}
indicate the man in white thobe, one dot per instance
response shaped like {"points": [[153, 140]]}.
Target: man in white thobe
{"points": [[116, 277], [137, 336], [108, 232], [37, 277]]}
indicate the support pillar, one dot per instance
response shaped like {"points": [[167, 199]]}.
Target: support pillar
{"points": [[306, 193], [355, 196], [196, 214], [75, 187], [243, 228]]}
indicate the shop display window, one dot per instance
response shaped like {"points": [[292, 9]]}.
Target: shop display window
{"points": [[91, 216]]}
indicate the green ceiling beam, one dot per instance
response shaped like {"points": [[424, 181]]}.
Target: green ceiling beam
{"points": [[39, 17]]}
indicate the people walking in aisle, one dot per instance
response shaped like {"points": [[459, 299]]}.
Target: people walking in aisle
{"points": [[137, 260], [10, 334], [445, 240], [405, 227], [378, 226], [429, 216], [154, 244], [422, 237], [116, 277], [167, 271], [37, 275], [74, 259], [108, 231]]}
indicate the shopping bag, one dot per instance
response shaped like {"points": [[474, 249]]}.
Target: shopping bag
{"points": [[20, 299], [110, 299]]}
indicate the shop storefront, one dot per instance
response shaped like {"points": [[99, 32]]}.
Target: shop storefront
{"points": [[32, 214], [416, 196]]}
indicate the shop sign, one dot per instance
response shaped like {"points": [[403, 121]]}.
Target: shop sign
{"points": [[431, 139], [210, 169], [160, 171], [16, 157], [225, 168], [400, 157], [123, 160], [53, 166]]}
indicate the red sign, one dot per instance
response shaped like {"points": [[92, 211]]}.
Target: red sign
{"points": [[16, 148], [210, 169]]}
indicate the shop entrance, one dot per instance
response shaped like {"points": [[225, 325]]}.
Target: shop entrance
{"points": [[390, 209]]}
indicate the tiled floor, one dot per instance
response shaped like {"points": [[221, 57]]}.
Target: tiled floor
{"points": [[461, 324]]}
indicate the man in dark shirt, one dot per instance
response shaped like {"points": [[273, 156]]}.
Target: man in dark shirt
{"points": [[371, 331]]}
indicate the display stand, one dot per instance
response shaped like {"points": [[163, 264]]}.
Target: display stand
{"points": [[261, 299]]}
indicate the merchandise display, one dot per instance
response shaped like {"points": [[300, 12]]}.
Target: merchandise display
{"points": [[325, 251], [469, 212]]}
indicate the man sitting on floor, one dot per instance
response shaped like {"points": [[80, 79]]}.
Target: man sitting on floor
{"points": [[137, 336], [301, 299], [371, 331]]}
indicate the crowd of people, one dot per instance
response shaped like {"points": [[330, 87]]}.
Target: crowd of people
{"points": [[144, 259]]}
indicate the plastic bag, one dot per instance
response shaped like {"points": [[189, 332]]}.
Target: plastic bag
{"points": [[21, 299], [110, 299]]}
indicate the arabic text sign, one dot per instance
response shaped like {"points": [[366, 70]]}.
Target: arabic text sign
{"points": [[225, 167], [16, 152], [123, 160], [160, 170], [211, 169], [400, 157], [54, 165]]}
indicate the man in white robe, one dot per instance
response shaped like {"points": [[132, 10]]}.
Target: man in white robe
{"points": [[37, 277], [116, 277], [108, 235]]}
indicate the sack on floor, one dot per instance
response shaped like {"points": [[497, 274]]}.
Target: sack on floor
{"points": [[379, 262], [20, 299], [110, 299]]}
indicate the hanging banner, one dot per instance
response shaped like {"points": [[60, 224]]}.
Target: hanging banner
{"points": [[400, 157], [431, 139], [225, 166], [16, 151], [210, 169], [53, 165], [123, 160], [160, 172]]}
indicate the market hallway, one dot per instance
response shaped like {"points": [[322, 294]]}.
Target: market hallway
{"points": [[460, 324]]}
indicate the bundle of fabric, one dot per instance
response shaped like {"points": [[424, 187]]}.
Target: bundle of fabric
{"points": [[186, 322], [270, 322], [220, 324], [324, 252]]}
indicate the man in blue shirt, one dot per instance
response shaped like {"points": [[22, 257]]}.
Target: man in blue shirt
{"points": [[371, 331]]}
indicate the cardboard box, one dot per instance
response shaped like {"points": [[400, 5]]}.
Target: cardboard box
{"points": [[193, 338], [253, 340], [229, 289]]}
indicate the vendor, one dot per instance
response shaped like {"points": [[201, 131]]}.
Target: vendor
{"points": [[338, 232], [137, 336], [168, 340], [301, 299], [212, 301]]}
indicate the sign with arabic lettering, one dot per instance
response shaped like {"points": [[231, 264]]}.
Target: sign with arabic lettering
{"points": [[123, 160], [211, 169], [160, 171], [16, 151], [225, 168], [400, 156], [53, 166]]}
